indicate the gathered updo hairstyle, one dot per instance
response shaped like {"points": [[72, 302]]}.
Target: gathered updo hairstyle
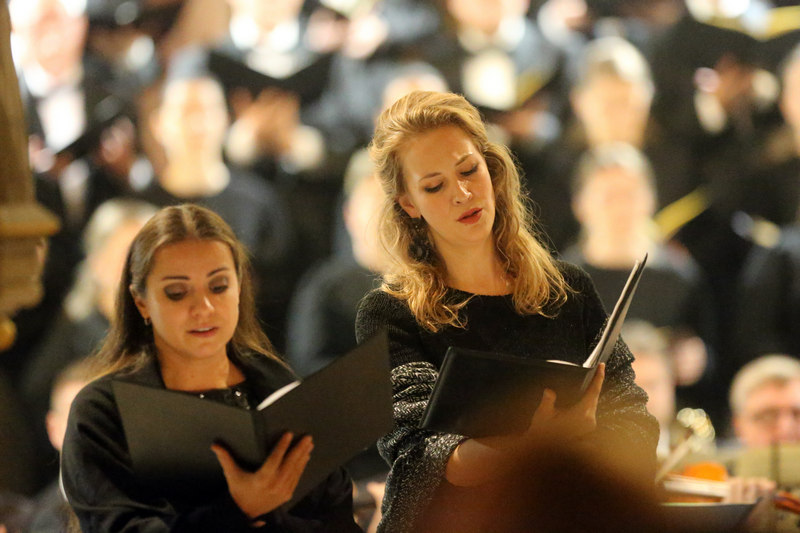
{"points": [[419, 277], [129, 343]]}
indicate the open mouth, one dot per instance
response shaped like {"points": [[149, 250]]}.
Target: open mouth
{"points": [[203, 332], [471, 216]]}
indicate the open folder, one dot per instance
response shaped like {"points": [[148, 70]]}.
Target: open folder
{"points": [[345, 407], [480, 393]]}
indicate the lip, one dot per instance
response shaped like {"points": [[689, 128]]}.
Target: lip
{"points": [[208, 331], [470, 216]]}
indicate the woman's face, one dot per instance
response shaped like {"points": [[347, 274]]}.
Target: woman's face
{"points": [[448, 184], [192, 299]]}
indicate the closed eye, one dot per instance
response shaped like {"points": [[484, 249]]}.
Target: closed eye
{"points": [[470, 171], [433, 188], [217, 289], [175, 295]]}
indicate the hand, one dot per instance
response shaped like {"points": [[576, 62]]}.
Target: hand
{"points": [[748, 489], [549, 422], [273, 484]]}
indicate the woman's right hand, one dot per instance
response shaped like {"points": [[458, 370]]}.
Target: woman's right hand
{"points": [[273, 484]]}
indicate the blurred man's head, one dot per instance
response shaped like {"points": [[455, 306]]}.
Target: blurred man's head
{"points": [[192, 119], [614, 192], [613, 92], [654, 372], [50, 33], [364, 199], [765, 401]]}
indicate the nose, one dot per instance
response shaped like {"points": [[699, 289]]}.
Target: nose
{"points": [[462, 193], [787, 428], [202, 304]]}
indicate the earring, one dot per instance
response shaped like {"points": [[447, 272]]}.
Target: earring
{"points": [[420, 244], [146, 321]]}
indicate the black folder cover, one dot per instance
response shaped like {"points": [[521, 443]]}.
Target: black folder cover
{"points": [[307, 83], [169, 433], [481, 393]]}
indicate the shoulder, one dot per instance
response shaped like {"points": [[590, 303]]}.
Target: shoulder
{"points": [[379, 309], [575, 276]]}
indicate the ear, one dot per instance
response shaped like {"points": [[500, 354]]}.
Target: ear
{"points": [[140, 303], [408, 206]]}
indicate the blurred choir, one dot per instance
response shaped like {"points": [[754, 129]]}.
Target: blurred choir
{"points": [[669, 127]]}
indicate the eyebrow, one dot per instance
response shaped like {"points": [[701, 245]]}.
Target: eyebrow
{"points": [[186, 278], [434, 174]]}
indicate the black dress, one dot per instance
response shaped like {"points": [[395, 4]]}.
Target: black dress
{"points": [[418, 458], [106, 496]]}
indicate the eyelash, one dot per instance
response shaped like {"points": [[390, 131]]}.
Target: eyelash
{"points": [[469, 172], [177, 296]]}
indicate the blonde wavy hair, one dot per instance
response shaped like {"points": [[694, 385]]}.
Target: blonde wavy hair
{"points": [[419, 278]]}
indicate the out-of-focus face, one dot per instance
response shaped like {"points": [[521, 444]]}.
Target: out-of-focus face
{"points": [[60, 403], [361, 218], [192, 299], [52, 32], [656, 380], [485, 15], [448, 184], [770, 414], [267, 13], [108, 262], [614, 202], [790, 99], [192, 119], [612, 109]]}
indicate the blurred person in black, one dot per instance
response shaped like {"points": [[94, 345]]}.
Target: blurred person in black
{"points": [[610, 98], [614, 199], [51, 511], [322, 314], [190, 124], [85, 314]]}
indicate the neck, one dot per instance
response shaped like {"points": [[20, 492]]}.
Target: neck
{"points": [[199, 375], [615, 253], [187, 177], [476, 270]]}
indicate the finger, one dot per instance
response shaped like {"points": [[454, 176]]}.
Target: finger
{"points": [[275, 458], [295, 463], [547, 407], [229, 467]]}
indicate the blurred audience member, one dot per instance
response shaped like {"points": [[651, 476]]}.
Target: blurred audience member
{"points": [[51, 511], [655, 374], [611, 97], [86, 312], [190, 124], [765, 401], [768, 305], [324, 307], [614, 200]]}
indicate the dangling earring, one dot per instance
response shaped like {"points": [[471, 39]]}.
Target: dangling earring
{"points": [[420, 244], [146, 321]]}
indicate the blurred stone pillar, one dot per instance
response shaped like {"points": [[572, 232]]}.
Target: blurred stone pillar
{"points": [[24, 224]]}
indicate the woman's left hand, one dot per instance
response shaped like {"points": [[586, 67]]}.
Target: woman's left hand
{"points": [[550, 422], [272, 485]]}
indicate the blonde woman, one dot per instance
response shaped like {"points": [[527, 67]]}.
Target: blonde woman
{"points": [[467, 270]]}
